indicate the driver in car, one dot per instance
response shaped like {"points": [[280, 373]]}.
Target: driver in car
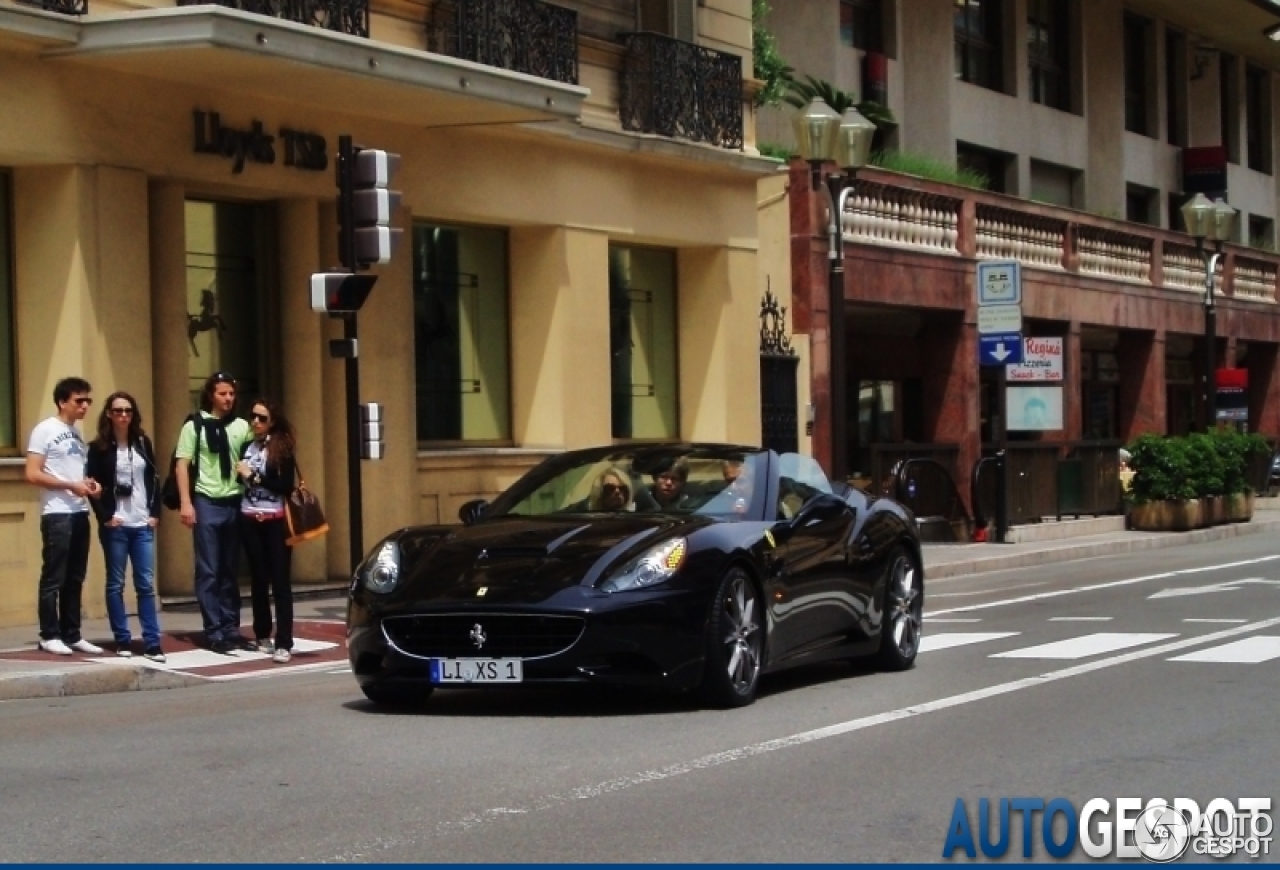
{"points": [[667, 492]]}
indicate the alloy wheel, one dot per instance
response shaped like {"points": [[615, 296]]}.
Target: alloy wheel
{"points": [[742, 634], [905, 607]]}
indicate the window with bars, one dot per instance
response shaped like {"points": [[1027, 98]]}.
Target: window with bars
{"points": [[460, 333], [860, 24], [642, 342], [1049, 52], [979, 43], [1137, 75]]}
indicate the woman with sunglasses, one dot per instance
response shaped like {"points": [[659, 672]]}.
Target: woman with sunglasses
{"points": [[123, 462], [267, 470]]}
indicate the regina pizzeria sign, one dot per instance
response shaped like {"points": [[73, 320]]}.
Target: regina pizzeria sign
{"points": [[1041, 361]]}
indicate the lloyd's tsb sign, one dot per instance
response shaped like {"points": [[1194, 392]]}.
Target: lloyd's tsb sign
{"points": [[1126, 827], [255, 145]]}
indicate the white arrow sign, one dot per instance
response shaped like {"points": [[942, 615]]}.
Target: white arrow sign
{"points": [[1000, 354], [1230, 586]]}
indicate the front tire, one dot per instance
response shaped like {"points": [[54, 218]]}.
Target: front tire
{"points": [[903, 613], [735, 642], [396, 696]]}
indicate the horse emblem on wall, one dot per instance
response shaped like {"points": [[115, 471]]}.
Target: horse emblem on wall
{"points": [[208, 318]]}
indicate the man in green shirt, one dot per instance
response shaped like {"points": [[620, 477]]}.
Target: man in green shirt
{"points": [[211, 508]]}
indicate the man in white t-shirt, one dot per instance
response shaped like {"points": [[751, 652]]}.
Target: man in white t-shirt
{"points": [[55, 463]]}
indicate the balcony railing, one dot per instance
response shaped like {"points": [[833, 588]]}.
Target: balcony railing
{"points": [[930, 217], [526, 36], [344, 16], [679, 89], [64, 7]]}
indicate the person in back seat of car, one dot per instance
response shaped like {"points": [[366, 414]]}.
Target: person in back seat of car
{"points": [[667, 492]]}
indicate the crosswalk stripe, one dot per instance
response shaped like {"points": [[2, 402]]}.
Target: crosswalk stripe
{"points": [[935, 642], [1080, 647], [1247, 651]]}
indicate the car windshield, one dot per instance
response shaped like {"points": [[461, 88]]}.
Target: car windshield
{"points": [[713, 481]]}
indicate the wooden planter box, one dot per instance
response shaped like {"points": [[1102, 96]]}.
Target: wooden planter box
{"points": [[1167, 516], [1240, 507], [1214, 510]]}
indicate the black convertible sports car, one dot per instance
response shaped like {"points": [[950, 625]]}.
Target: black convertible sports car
{"points": [[688, 566]]}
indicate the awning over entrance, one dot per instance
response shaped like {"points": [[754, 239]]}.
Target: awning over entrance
{"points": [[241, 51]]}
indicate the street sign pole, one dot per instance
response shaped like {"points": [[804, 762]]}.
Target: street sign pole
{"points": [[999, 286], [1002, 458], [350, 332]]}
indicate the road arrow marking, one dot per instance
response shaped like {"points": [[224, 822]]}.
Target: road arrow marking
{"points": [[1230, 586]]}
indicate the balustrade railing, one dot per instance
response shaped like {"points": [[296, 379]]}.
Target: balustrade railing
{"points": [[344, 16], [1183, 268], [63, 7], [1254, 279], [526, 36], [1114, 254], [886, 215], [676, 88], [1007, 234]]}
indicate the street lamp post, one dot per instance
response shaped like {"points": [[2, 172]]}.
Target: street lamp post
{"points": [[1214, 221], [823, 136]]}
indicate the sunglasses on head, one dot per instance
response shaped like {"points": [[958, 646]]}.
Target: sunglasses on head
{"points": [[124, 412], [614, 489], [260, 418]]}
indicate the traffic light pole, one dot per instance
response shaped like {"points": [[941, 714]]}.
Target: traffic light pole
{"points": [[346, 255]]}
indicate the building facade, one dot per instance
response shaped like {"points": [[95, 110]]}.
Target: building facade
{"points": [[1083, 120], [579, 258]]}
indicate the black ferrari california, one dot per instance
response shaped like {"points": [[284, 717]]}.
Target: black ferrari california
{"points": [[682, 566]]}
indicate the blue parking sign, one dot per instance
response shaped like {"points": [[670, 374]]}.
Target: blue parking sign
{"points": [[1000, 349]]}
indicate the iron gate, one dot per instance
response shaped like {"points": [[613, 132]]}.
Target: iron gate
{"points": [[779, 398]]}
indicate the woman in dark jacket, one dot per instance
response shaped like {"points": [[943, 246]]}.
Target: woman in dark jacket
{"points": [[123, 462], [268, 471]]}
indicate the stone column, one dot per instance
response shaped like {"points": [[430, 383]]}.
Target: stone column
{"points": [[1073, 385], [718, 313], [304, 360], [1104, 98], [928, 33], [951, 391], [1141, 397], [168, 239]]}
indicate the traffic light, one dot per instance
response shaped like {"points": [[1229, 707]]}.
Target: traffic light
{"points": [[340, 292], [366, 206]]}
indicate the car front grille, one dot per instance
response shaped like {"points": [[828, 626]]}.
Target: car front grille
{"points": [[504, 635]]}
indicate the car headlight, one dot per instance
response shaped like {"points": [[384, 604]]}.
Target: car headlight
{"points": [[653, 566], [382, 570]]}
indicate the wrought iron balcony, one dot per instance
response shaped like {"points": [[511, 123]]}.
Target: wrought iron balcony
{"points": [[344, 16], [65, 7], [676, 88], [525, 36]]}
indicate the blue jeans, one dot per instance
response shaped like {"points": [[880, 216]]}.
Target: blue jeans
{"points": [[121, 544], [217, 545]]}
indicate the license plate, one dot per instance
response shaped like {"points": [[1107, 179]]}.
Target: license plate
{"points": [[477, 670]]}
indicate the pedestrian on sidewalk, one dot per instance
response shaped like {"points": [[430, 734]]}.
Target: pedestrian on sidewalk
{"points": [[55, 464], [211, 508], [122, 461], [268, 470]]}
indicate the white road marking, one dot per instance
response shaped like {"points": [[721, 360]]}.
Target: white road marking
{"points": [[385, 842], [281, 671], [1079, 647], [1204, 619], [1081, 618], [931, 620], [1249, 651], [935, 642], [203, 658], [1179, 592], [1164, 575], [984, 591]]}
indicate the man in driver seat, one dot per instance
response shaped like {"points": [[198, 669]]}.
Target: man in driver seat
{"points": [[667, 492]]}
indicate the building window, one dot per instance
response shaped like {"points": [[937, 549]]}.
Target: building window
{"points": [[1257, 83], [979, 49], [642, 342], [992, 165], [1137, 75], [860, 25], [1055, 185], [1229, 89], [1141, 205], [460, 333], [1262, 233], [8, 411], [1175, 91], [1049, 52]]}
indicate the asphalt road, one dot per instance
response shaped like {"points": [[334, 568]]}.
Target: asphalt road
{"points": [[1137, 697]]}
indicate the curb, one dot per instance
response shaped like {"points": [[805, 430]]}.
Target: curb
{"points": [[90, 679], [1156, 541]]}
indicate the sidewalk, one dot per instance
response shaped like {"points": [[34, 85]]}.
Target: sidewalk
{"points": [[26, 672]]}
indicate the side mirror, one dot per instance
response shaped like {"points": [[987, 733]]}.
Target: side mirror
{"points": [[472, 511]]}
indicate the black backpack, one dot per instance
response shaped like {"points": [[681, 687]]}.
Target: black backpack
{"points": [[169, 492]]}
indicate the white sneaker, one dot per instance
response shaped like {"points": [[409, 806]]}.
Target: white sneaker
{"points": [[55, 646], [124, 652], [267, 645], [87, 648], [281, 656]]}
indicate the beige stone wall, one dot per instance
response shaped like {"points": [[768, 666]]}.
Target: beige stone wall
{"points": [[101, 165]]}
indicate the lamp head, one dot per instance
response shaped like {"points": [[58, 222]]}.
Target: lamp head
{"points": [[1224, 221], [817, 127], [1197, 216], [853, 141]]}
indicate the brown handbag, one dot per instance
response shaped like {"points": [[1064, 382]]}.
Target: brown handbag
{"points": [[303, 514]]}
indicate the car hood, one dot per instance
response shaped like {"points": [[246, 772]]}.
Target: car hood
{"points": [[518, 560]]}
